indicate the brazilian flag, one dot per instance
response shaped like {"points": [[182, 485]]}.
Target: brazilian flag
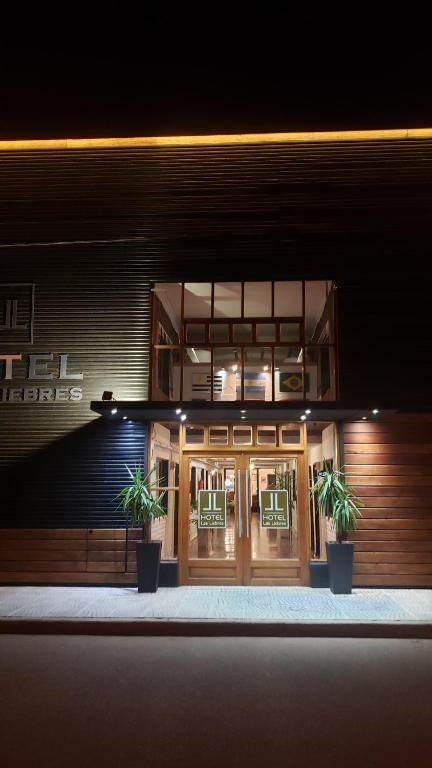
{"points": [[292, 381]]}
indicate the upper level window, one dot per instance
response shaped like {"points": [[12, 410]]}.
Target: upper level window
{"points": [[264, 341]]}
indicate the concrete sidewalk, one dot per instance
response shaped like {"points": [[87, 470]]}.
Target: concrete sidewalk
{"points": [[261, 609]]}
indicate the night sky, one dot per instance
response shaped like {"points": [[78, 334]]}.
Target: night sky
{"points": [[211, 78]]}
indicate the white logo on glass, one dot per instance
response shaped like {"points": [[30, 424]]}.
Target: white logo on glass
{"points": [[273, 504], [212, 504]]}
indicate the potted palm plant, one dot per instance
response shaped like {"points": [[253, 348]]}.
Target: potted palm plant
{"points": [[338, 503], [141, 507]]}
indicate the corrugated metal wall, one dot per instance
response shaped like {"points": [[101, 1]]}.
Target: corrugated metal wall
{"points": [[60, 464]]}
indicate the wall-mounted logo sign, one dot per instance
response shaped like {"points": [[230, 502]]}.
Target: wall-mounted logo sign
{"points": [[211, 509], [274, 509], [16, 327], [16, 313]]}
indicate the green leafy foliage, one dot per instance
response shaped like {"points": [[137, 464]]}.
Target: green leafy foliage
{"points": [[337, 501], [139, 503]]}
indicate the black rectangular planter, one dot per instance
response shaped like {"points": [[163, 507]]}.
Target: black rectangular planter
{"points": [[340, 565], [318, 574], [148, 565], [168, 574]]}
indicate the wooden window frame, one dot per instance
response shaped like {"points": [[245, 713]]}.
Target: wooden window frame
{"points": [[253, 321]]}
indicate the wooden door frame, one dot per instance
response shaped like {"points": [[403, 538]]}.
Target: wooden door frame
{"points": [[241, 457], [185, 563]]}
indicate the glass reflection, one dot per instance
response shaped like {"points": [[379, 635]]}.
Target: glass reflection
{"points": [[206, 473], [273, 473]]}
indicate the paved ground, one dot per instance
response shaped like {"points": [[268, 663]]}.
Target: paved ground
{"points": [[214, 702], [281, 604]]}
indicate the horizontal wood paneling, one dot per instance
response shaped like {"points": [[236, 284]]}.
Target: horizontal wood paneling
{"points": [[390, 466], [93, 556]]}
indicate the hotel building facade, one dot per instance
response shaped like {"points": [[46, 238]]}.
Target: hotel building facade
{"points": [[239, 302]]}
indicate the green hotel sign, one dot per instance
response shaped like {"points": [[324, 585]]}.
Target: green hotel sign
{"points": [[274, 509], [211, 509]]}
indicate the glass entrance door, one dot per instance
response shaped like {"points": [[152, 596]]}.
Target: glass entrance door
{"points": [[272, 510], [211, 532], [243, 519]]}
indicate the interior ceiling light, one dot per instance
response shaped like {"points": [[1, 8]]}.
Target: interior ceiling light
{"points": [[113, 410], [183, 417], [303, 417], [364, 418], [243, 417], [242, 411], [375, 411], [265, 367], [178, 411], [308, 411], [124, 418]]}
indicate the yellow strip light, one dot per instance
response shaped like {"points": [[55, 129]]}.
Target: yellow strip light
{"points": [[241, 138]]}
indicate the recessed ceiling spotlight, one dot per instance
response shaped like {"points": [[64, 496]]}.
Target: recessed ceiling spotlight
{"points": [[242, 411], [375, 411], [183, 417], [364, 418], [308, 411], [242, 417], [124, 418], [265, 367], [178, 411], [303, 417], [113, 410]]}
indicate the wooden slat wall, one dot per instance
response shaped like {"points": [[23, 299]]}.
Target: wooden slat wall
{"points": [[66, 556], [390, 466]]}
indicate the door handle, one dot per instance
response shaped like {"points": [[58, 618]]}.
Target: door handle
{"points": [[247, 501], [239, 505]]}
